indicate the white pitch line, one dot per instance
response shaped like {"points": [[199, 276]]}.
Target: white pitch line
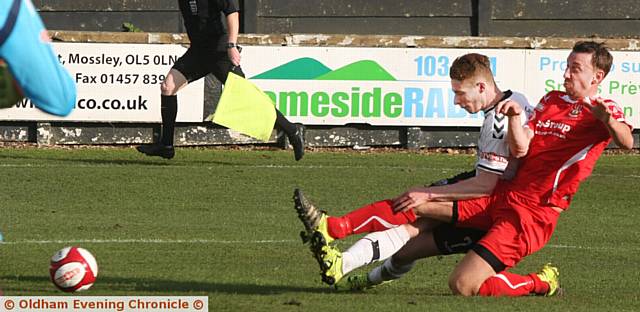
{"points": [[589, 248], [272, 166], [615, 175], [227, 242], [269, 166], [145, 241]]}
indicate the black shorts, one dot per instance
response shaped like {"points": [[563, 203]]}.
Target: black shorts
{"points": [[198, 62], [453, 240], [449, 238]]}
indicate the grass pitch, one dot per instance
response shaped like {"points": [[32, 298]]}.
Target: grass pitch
{"points": [[221, 223]]}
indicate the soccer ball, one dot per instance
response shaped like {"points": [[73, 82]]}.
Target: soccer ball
{"points": [[73, 269]]}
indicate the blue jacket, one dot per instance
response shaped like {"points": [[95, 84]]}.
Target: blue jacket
{"points": [[32, 62]]}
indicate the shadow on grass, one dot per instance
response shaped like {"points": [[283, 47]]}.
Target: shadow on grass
{"points": [[159, 285]]}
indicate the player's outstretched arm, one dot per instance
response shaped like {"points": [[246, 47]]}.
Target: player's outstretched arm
{"points": [[480, 185], [620, 132]]}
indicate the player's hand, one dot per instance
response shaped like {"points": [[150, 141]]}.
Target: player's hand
{"points": [[600, 109], [411, 199], [508, 108], [234, 56]]}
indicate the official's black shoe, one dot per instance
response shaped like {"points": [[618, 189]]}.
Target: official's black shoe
{"points": [[157, 149], [297, 142]]}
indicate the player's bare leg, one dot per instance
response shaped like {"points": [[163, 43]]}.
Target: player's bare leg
{"points": [[475, 276], [421, 246], [469, 275], [379, 246]]}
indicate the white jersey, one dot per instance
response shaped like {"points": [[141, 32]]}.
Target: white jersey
{"points": [[493, 149]]}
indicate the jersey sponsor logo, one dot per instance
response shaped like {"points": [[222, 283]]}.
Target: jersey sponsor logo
{"points": [[493, 157], [548, 127]]}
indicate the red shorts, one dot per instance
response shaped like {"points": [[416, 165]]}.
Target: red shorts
{"points": [[516, 226]]}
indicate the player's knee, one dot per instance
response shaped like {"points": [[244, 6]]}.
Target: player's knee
{"points": [[461, 286], [167, 87]]}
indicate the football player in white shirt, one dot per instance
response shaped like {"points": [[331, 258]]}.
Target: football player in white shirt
{"points": [[390, 223]]}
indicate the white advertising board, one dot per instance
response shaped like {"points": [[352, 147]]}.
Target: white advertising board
{"points": [[117, 82], [376, 86], [319, 85], [545, 69]]}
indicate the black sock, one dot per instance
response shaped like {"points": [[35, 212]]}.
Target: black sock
{"points": [[282, 123], [168, 110]]}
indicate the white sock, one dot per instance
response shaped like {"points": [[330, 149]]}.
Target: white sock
{"points": [[388, 271], [373, 247]]}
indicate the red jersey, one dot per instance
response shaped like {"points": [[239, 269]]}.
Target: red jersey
{"points": [[567, 141]]}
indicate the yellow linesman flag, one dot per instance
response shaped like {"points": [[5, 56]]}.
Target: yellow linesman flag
{"points": [[243, 107]]}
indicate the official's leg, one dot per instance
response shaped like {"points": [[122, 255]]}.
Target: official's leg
{"points": [[188, 68], [295, 133], [169, 88], [173, 82]]}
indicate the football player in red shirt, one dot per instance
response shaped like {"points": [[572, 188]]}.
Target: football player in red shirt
{"points": [[559, 147], [561, 143], [475, 90]]}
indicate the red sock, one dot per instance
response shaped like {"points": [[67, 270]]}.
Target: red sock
{"points": [[512, 285], [375, 217]]}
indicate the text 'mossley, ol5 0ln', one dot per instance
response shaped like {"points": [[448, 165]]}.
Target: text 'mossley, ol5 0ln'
{"points": [[117, 61]]}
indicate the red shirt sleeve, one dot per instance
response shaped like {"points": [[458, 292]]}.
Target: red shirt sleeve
{"points": [[617, 113], [533, 119]]}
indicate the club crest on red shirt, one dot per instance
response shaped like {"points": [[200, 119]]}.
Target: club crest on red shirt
{"points": [[577, 109]]}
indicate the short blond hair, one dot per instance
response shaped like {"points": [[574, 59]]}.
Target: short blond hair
{"points": [[471, 65]]}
